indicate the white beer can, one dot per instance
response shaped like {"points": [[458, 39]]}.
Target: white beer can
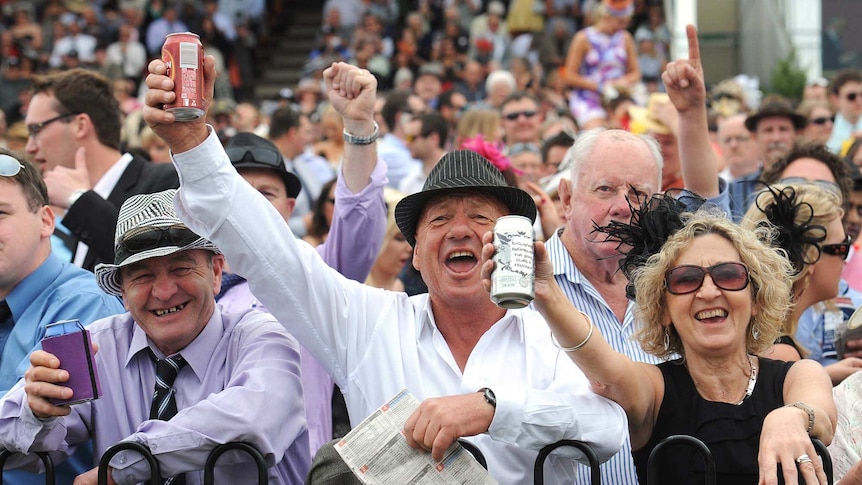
{"points": [[514, 277]]}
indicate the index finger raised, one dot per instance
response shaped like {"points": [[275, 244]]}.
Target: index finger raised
{"points": [[693, 45]]}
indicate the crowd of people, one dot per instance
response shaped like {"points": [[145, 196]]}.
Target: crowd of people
{"points": [[275, 272]]}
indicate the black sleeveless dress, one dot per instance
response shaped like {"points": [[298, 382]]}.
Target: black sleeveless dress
{"points": [[731, 432]]}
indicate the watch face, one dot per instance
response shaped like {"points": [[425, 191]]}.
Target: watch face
{"points": [[490, 397]]}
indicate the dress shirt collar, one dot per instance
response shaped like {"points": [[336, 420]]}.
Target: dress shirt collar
{"points": [[197, 354], [33, 285], [561, 259], [106, 184], [426, 326]]}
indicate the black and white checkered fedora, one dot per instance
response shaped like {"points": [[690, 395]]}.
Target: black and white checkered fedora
{"points": [[139, 215], [463, 170]]}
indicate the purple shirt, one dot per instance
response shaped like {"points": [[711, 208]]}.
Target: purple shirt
{"points": [[241, 384], [358, 225]]}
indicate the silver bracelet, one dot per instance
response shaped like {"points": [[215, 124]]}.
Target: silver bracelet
{"points": [[576, 347], [352, 139], [808, 410]]}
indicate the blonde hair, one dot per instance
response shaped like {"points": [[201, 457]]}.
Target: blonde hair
{"points": [[479, 121], [768, 269], [391, 197], [815, 209]]}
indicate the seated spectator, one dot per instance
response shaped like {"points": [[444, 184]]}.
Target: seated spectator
{"points": [[751, 412], [202, 366], [37, 288]]}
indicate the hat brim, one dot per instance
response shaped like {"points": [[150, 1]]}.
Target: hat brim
{"points": [[799, 121], [409, 209], [108, 275], [291, 181], [640, 115]]}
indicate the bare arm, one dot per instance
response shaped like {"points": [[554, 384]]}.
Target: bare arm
{"points": [[577, 51], [685, 87], [633, 70], [636, 387]]}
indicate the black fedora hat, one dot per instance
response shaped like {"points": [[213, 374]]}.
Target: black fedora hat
{"points": [[775, 108], [461, 170], [247, 150]]}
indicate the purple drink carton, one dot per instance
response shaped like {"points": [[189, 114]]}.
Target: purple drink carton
{"points": [[70, 342]]}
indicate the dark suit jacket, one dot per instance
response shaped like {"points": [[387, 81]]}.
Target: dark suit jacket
{"points": [[93, 220]]}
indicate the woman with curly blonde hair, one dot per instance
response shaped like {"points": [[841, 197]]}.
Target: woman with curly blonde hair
{"points": [[710, 295]]}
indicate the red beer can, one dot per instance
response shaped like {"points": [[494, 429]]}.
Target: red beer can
{"points": [[184, 56]]}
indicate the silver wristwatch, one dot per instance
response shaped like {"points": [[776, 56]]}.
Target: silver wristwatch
{"points": [[352, 139]]}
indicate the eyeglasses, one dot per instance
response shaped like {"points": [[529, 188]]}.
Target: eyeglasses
{"points": [[840, 249], [826, 185], [852, 96], [738, 139], [154, 237], [409, 138], [688, 278], [514, 116], [35, 128], [9, 166], [519, 148], [264, 155], [822, 120]]}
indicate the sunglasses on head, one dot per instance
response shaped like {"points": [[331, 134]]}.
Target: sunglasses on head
{"points": [[841, 249], [152, 238], [852, 96], [264, 155], [517, 114], [689, 278], [826, 185], [9, 166], [821, 120]]}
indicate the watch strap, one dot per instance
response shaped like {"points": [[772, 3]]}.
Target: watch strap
{"points": [[352, 139], [489, 396]]}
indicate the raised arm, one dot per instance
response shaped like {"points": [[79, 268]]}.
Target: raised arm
{"points": [[683, 80], [611, 374]]}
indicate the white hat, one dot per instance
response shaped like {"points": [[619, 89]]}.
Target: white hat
{"points": [[147, 227]]}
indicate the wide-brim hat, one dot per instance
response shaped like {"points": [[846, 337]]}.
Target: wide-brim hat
{"points": [[139, 213], [646, 120], [462, 170], [247, 150], [776, 108]]}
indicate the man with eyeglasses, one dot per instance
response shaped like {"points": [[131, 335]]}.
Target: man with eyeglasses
{"points": [[74, 125], [426, 137], [400, 107], [521, 119], [737, 147], [37, 288], [179, 375], [845, 93], [290, 131]]}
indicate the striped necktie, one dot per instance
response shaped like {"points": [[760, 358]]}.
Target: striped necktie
{"points": [[164, 400]]}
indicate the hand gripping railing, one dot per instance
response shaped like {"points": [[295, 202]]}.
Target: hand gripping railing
{"points": [[209, 468], [46, 460], [475, 451], [155, 472], [595, 472]]}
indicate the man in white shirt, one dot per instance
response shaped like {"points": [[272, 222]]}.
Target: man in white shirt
{"points": [[480, 371]]}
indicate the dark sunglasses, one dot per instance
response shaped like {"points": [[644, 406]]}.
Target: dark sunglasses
{"points": [[688, 278], [821, 120], [840, 249], [35, 128], [9, 166], [514, 116], [826, 185], [852, 96], [263, 155], [154, 237]]}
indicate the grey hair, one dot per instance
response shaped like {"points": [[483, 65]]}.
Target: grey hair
{"points": [[500, 76], [586, 140]]}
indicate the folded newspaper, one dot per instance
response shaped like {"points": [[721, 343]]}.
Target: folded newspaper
{"points": [[378, 453]]}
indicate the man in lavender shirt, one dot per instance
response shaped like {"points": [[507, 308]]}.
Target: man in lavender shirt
{"points": [[355, 236], [236, 375]]}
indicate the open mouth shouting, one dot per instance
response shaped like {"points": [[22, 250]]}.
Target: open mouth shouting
{"points": [[461, 261]]}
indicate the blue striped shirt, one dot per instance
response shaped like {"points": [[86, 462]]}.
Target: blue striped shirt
{"points": [[620, 469]]}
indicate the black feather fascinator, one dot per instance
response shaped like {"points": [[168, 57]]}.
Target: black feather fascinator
{"points": [[654, 219], [791, 220]]}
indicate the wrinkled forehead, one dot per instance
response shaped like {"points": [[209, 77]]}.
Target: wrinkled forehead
{"points": [[465, 199]]}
